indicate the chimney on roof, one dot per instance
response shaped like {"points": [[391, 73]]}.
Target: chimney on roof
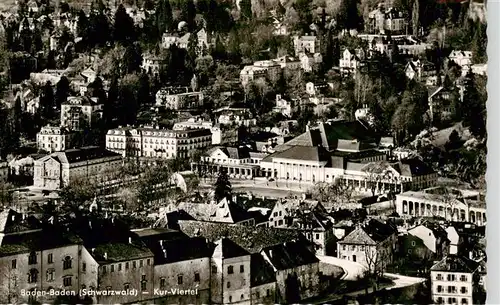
{"points": [[270, 253], [92, 251], [164, 253], [105, 255], [161, 243], [130, 240], [13, 217]]}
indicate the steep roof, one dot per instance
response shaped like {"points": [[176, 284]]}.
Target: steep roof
{"points": [[290, 255], [305, 153], [261, 271], [226, 248], [253, 239], [224, 211], [81, 154], [455, 263], [371, 233]]}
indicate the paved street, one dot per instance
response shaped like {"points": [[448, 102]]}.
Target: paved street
{"points": [[352, 269]]}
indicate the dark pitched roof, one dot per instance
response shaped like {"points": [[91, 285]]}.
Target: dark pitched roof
{"points": [[371, 233], [229, 248], [328, 135], [38, 240], [261, 271], [253, 239], [116, 252], [455, 263], [171, 220], [301, 153], [290, 255]]}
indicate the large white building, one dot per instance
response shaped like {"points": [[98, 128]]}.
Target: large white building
{"points": [[453, 280], [219, 136], [157, 143], [345, 151], [455, 205], [171, 98], [58, 169], [264, 69], [79, 112], [53, 138]]}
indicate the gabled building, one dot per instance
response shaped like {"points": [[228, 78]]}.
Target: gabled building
{"points": [[80, 112], [372, 244], [306, 44], [386, 20], [52, 139], [58, 169], [453, 280], [351, 61], [309, 217], [419, 70], [462, 58], [177, 100], [224, 211], [440, 102], [434, 237], [297, 271], [286, 108]]}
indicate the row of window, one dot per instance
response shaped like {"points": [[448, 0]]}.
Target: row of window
{"points": [[451, 289], [50, 277], [451, 277], [118, 267], [33, 260], [180, 280], [441, 300], [353, 247]]}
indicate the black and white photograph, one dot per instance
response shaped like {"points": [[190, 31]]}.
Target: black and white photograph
{"points": [[243, 152]]}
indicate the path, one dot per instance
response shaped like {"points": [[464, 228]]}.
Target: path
{"points": [[352, 270]]}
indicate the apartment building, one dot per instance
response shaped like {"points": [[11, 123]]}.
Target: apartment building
{"points": [[152, 142], [58, 169], [53, 138], [178, 100], [79, 112], [453, 280]]}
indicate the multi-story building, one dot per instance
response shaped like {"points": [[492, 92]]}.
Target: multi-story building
{"points": [[372, 245], [238, 162], [297, 271], [455, 206], [351, 61], [461, 58], [308, 216], [286, 108], [157, 143], [58, 169], [264, 69], [176, 100], [53, 138], [419, 70], [434, 237], [219, 136], [152, 63], [306, 44], [386, 20], [79, 112], [453, 280], [345, 151], [34, 259]]}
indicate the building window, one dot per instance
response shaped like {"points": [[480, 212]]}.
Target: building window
{"points": [[50, 258], [126, 265], [464, 301], [268, 292], [196, 277], [257, 295], [162, 283], [439, 288], [141, 263], [179, 279], [126, 286], [67, 281], [214, 269], [32, 258], [451, 277], [84, 267], [14, 264], [104, 269], [67, 263], [120, 267], [463, 278], [452, 289], [242, 268], [230, 299], [33, 276], [134, 264], [230, 270], [228, 285], [51, 273], [148, 261], [317, 235], [463, 290], [242, 296], [439, 277], [144, 285]]}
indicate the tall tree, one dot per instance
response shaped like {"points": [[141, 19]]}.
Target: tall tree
{"points": [[246, 9], [62, 91], [132, 59], [415, 17], [164, 19], [123, 30], [348, 15], [223, 187], [47, 101], [188, 12]]}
